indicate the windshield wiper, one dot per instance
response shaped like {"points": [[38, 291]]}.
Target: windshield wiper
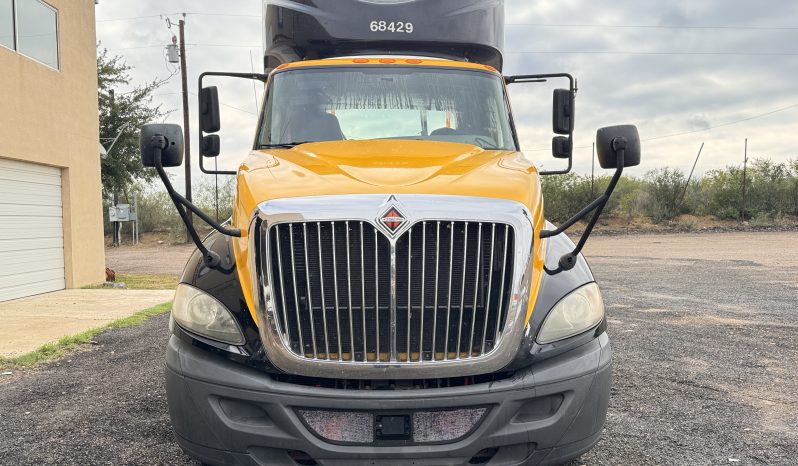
{"points": [[285, 145]]}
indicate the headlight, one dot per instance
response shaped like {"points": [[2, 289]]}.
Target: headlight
{"points": [[202, 314], [581, 310]]}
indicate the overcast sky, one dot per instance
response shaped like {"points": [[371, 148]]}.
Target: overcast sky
{"points": [[685, 72]]}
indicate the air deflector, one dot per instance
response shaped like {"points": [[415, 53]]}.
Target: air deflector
{"points": [[471, 30]]}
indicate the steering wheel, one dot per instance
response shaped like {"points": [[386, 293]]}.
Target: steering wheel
{"points": [[443, 132]]}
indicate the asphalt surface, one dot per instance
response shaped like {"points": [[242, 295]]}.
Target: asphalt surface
{"points": [[706, 372]]}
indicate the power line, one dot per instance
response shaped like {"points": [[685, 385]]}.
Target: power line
{"points": [[533, 52], [625, 52], [229, 106], [129, 18], [654, 26], [193, 45], [133, 18], [721, 125], [701, 130]]}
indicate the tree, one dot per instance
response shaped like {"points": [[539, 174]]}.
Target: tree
{"points": [[126, 112]]}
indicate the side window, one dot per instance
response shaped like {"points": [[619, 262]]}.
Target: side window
{"points": [[7, 23], [37, 31]]}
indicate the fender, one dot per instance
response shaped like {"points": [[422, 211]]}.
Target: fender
{"points": [[555, 284], [222, 283]]}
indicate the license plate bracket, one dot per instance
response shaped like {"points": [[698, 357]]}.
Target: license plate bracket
{"points": [[392, 427]]}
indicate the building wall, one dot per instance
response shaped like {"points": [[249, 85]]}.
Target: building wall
{"points": [[50, 117]]}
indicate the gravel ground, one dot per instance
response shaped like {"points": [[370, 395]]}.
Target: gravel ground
{"points": [[148, 258], [705, 366]]}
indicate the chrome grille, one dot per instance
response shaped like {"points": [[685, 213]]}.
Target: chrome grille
{"points": [[342, 293]]}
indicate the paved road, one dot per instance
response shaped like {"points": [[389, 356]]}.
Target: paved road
{"points": [[706, 358]]}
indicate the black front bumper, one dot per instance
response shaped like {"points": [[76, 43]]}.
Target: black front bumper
{"points": [[224, 413]]}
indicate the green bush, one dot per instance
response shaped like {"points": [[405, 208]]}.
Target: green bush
{"points": [[664, 189], [157, 212], [771, 193]]}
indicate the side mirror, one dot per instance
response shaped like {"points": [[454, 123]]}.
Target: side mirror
{"points": [[606, 137], [210, 121], [172, 156], [210, 145], [563, 112], [561, 147]]}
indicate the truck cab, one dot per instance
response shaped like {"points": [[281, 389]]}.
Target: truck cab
{"points": [[388, 290]]}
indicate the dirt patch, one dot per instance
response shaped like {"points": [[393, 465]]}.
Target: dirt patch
{"points": [[160, 259]]}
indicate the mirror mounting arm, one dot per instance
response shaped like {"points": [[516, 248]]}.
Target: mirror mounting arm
{"points": [[568, 260], [212, 259]]}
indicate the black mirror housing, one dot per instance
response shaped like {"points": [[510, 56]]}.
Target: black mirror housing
{"points": [[211, 145], [561, 147], [172, 155], [210, 120], [563, 112], [606, 152]]}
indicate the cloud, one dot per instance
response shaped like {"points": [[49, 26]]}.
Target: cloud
{"points": [[667, 80]]}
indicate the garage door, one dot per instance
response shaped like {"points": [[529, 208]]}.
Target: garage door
{"points": [[31, 230]]}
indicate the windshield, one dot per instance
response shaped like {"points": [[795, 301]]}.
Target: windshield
{"points": [[358, 103]]}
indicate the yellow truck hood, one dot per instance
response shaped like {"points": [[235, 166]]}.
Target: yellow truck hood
{"points": [[380, 167], [386, 166]]}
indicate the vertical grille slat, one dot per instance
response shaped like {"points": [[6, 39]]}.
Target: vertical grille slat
{"points": [[476, 291], [490, 284], [423, 282], [449, 293], [301, 349], [501, 288], [437, 274], [323, 298], [285, 328], [462, 291], [309, 287], [409, 291], [343, 292], [349, 293], [377, 293], [335, 289]]}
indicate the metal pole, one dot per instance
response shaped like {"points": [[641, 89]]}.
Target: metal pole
{"points": [[186, 130], [745, 165], [592, 170], [114, 224], [136, 221], [684, 193]]}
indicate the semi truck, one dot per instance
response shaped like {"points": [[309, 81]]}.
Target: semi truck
{"points": [[387, 289]]}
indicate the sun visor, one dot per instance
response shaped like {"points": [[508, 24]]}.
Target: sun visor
{"points": [[465, 30]]}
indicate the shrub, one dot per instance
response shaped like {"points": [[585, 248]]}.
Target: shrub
{"points": [[664, 188]]}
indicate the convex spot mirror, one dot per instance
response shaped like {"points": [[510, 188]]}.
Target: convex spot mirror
{"points": [[604, 146], [561, 147], [211, 145], [172, 155]]}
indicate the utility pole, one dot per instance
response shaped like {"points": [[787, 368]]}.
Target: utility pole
{"points": [[745, 165], [592, 169], [186, 131], [114, 225]]}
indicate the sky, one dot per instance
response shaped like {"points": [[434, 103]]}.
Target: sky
{"points": [[685, 72]]}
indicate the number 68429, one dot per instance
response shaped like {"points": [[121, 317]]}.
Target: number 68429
{"points": [[391, 26]]}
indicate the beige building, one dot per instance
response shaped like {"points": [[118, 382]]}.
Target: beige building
{"points": [[51, 232]]}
